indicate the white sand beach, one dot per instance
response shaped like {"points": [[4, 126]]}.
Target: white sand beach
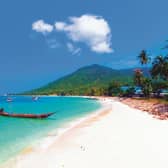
{"points": [[116, 137]]}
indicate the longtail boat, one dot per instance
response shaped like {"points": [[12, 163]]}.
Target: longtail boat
{"points": [[2, 113]]}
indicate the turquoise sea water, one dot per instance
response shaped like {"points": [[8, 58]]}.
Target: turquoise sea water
{"points": [[17, 133]]}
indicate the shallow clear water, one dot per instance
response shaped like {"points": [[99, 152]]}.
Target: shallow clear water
{"points": [[17, 133]]}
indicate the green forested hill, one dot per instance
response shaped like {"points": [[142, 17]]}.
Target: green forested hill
{"points": [[85, 79]]}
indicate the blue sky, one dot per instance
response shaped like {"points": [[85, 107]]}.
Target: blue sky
{"points": [[36, 49]]}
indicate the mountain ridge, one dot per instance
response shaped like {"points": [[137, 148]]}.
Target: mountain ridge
{"points": [[85, 78]]}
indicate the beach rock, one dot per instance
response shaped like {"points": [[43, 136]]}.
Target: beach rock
{"points": [[160, 111]]}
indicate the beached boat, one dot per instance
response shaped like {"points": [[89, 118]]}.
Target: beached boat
{"points": [[2, 113], [9, 99]]}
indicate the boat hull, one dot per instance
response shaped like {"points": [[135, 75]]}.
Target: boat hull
{"points": [[26, 115]]}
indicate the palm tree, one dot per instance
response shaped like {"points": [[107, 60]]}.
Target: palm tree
{"points": [[143, 57], [138, 77], [147, 87], [160, 67]]}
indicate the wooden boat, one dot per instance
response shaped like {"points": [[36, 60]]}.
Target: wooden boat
{"points": [[2, 113]]}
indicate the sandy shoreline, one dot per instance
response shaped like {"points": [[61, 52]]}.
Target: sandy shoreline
{"points": [[158, 110], [56, 135], [117, 136]]}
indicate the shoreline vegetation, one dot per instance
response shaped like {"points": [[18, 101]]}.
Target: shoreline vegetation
{"points": [[97, 80], [120, 131], [149, 84]]}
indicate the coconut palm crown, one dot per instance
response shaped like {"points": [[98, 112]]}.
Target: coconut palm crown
{"points": [[143, 57], [160, 67]]}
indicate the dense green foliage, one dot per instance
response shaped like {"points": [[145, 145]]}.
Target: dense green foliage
{"points": [[160, 67], [147, 87], [114, 89], [90, 80], [158, 79], [138, 77]]}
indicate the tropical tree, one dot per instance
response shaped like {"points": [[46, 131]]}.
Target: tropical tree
{"points": [[143, 57], [158, 85], [129, 92], [114, 89], [138, 77], [147, 87], [160, 67]]}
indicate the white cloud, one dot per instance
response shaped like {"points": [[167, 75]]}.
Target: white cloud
{"points": [[92, 30], [60, 25], [52, 43], [42, 27], [73, 49]]}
